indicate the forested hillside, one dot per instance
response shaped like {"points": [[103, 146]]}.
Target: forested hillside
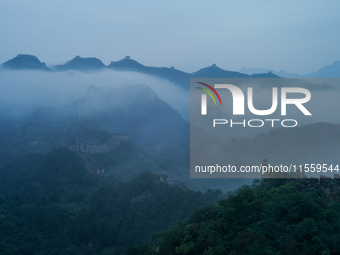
{"points": [[49, 204], [273, 217]]}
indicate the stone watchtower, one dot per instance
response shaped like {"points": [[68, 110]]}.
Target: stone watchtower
{"points": [[77, 146]]}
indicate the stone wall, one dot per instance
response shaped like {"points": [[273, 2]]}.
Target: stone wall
{"points": [[116, 139]]}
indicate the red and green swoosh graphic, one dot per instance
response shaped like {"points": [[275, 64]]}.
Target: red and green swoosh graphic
{"points": [[209, 93]]}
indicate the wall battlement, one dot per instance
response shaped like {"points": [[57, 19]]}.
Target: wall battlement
{"points": [[116, 139]]}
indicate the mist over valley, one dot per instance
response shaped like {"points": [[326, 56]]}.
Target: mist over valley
{"points": [[112, 143]]}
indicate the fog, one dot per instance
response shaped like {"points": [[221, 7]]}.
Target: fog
{"points": [[37, 88]]}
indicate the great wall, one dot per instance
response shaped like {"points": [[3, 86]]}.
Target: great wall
{"points": [[117, 139], [329, 187]]}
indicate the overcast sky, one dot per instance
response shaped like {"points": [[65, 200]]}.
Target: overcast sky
{"points": [[296, 36]]}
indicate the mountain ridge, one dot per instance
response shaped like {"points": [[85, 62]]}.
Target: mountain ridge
{"points": [[127, 64], [81, 64], [25, 61], [181, 78], [328, 71]]}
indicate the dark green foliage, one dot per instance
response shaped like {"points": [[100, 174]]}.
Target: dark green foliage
{"points": [[266, 219], [49, 204]]}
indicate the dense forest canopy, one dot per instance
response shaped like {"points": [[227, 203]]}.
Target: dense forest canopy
{"points": [[49, 204], [272, 217]]}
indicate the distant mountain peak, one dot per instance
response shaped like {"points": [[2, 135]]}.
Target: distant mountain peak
{"points": [[127, 63], [81, 64], [171, 74], [329, 71], [269, 74], [214, 71], [25, 61]]}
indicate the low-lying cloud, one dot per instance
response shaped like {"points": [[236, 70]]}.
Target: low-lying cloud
{"points": [[58, 88], [36, 88]]}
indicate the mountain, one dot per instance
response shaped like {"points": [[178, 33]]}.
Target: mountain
{"points": [[50, 204], [282, 73], [271, 217], [134, 109], [137, 110], [329, 71], [264, 75], [25, 61], [179, 77], [251, 71], [81, 64], [290, 82], [152, 126], [215, 72], [150, 123], [127, 64]]}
